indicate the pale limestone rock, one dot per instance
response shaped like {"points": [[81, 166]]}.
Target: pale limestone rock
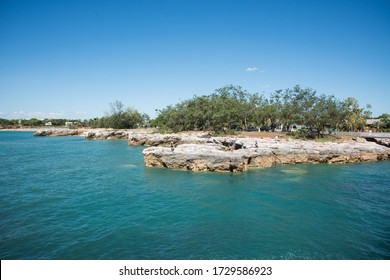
{"points": [[105, 134], [156, 139], [239, 154], [57, 132]]}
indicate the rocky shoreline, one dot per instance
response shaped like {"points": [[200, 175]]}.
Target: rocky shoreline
{"points": [[88, 134], [229, 154], [93, 133], [202, 152]]}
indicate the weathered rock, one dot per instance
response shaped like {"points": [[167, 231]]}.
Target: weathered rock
{"points": [[156, 139], [359, 139], [109, 133], [239, 154], [106, 134], [91, 134], [195, 157], [57, 132]]}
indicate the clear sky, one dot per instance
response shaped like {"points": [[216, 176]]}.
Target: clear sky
{"points": [[70, 59]]}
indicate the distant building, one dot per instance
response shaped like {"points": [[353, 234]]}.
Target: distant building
{"points": [[48, 124], [372, 124]]}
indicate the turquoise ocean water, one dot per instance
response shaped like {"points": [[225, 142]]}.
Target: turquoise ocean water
{"points": [[66, 198]]}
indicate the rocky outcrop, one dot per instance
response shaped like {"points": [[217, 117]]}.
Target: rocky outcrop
{"points": [[239, 154], [202, 152], [88, 134], [58, 132], [157, 139], [195, 157], [106, 134], [109, 134]]}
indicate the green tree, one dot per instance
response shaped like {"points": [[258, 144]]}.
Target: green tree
{"points": [[324, 113], [5, 123], [354, 117], [384, 121], [231, 107], [120, 117]]}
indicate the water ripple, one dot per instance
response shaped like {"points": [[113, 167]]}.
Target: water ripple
{"points": [[66, 198]]}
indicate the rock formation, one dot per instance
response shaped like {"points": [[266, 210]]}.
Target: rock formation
{"points": [[157, 139], [106, 134], [58, 132], [231, 154], [88, 134], [239, 154]]}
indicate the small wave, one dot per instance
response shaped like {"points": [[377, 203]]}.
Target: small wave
{"points": [[294, 171], [128, 165]]}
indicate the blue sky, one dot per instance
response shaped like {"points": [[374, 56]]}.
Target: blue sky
{"points": [[70, 59]]}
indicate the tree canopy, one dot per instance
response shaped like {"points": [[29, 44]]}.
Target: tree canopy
{"points": [[120, 117], [232, 107]]}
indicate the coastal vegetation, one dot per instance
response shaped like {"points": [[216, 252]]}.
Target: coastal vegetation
{"points": [[120, 117], [232, 108], [301, 111]]}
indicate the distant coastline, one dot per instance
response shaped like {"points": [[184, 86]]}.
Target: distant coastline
{"points": [[19, 129]]}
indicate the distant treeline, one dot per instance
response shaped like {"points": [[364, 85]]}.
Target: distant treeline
{"points": [[33, 122], [232, 108], [118, 117]]}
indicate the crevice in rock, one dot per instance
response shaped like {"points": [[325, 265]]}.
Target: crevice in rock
{"points": [[383, 142]]}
